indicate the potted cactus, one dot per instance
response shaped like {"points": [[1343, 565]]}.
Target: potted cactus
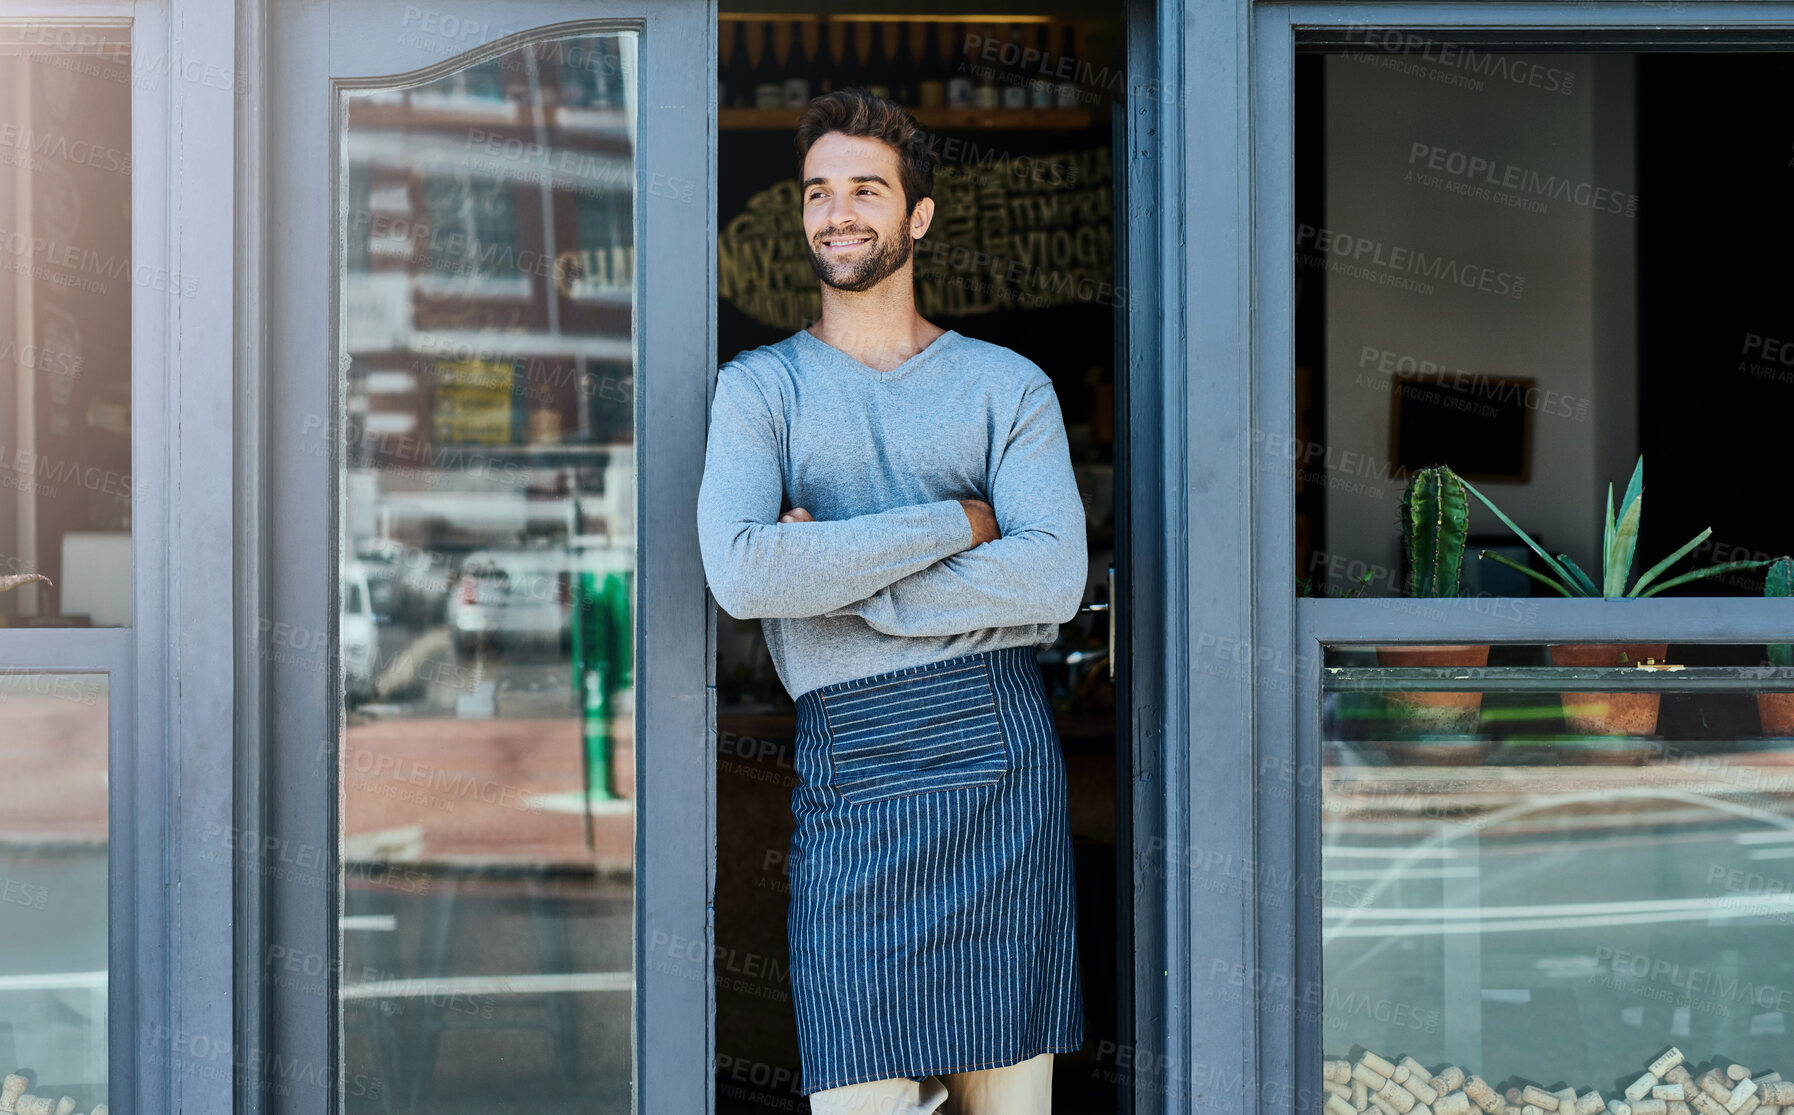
{"points": [[1777, 709], [1611, 714], [1435, 523]]}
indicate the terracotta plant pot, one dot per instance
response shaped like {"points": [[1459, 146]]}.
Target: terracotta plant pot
{"points": [[1609, 714], [1441, 713], [1777, 713]]}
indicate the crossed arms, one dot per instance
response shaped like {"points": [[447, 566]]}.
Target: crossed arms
{"points": [[912, 571]]}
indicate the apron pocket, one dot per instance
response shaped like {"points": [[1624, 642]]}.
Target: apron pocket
{"points": [[932, 730]]}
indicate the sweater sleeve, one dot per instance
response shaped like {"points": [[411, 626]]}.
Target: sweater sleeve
{"points": [[1033, 574], [759, 567]]}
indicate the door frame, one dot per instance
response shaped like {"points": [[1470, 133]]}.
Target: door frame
{"points": [[287, 469]]}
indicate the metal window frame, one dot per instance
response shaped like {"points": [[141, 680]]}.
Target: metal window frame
{"points": [[171, 672], [1285, 636]]}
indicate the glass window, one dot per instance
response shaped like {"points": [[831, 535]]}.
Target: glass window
{"points": [[53, 888], [1547, 866], [1537, 269], [488, 616], [66, 287]]}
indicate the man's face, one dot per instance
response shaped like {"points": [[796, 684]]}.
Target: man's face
{"points": [[857, 228]]}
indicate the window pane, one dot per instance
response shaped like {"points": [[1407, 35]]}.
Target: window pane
{"points": [[53, 910], [1561, 869], [65, 313], [1537, 269], [487, 589]]}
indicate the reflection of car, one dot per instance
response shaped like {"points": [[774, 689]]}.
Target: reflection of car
{"points": [[511, 595], [357, 634]]}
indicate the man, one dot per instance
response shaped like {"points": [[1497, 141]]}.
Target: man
{"points": [[896, 502]]}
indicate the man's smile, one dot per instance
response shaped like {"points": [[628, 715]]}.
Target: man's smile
{"points": [[843, 243]]}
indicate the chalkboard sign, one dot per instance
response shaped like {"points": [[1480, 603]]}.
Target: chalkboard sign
{"points": [[1480, 426]]}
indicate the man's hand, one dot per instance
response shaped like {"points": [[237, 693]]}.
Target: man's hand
{"points": [[983, 520], [978, 513]]}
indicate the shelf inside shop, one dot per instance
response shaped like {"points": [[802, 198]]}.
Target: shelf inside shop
{"points": [[1041, 119]]}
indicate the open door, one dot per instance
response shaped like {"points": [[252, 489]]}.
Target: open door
{"points": [[485, 847]]}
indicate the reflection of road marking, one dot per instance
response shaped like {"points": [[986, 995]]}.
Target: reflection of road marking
{"points": [[1767, 903], [1353, 850], [575, 802], [1488, 919], [370, 923], [537, 984], [1346, 874], [1770, 853], [54, 981], [1763, 838]]}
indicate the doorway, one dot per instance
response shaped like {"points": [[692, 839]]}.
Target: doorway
{"points": [[1022, 108]]}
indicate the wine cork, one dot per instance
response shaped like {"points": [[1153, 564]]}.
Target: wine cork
{"points": [[1336, 1072], [1668, 1092], [1618, 1107], [1532, 1109], [1706, 1104], [1339, 1090], [1736, 1071], [1454, 1103], [1483, 1096], [1399, 1074], [1566, 1099], [99, 1109], [1397, 1097], [1745, 1089], [1369, 1077], [1416, 1070], [1650, 1107], [1778, 1092], [1768, 1078], [1679, 1074], [1338, 1106], [1749, 1106], [1715, 1087], [36, 1105], [1641, 1087], [1680, 1107], [1450, 1079], [1513, 1097], [1382, 1106], [1590, 1104], [1360, 1094], [1377, 1065], [65, 1105], [1419, 1088], [10, 1090], [1669, 1059], [1538, 1097]]}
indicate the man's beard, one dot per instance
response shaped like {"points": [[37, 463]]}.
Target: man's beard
{"points": [[885, 258]]}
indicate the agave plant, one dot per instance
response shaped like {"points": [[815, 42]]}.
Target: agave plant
{"points": [[1435, 523], [14, 580], [1780, 582], [1618, 544]]}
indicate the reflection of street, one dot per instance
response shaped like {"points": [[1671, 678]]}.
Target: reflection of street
{"points": [[482, 926], [1561, 923]]}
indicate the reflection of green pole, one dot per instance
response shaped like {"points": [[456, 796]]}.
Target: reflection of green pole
{"points": [[601, 650]]}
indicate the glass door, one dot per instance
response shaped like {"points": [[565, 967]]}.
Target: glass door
{"points": [[487, 854]]}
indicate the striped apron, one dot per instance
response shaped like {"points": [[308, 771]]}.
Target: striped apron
{"points": [[931, 922]]}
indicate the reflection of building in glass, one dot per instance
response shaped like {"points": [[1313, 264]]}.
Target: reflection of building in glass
{"points": [[489, 281]]}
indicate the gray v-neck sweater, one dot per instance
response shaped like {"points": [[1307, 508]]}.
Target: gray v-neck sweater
{"points": [[887, 577]]}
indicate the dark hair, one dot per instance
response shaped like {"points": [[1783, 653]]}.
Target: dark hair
{"points": [[855, 112]]}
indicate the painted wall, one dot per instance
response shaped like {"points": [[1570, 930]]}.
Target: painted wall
{"points": [[1480, 219]]}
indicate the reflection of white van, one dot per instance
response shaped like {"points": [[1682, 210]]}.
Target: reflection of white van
{"points": [[357, 635]]}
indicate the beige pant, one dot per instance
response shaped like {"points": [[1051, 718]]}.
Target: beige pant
{"points": [[1025, 1088]]}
